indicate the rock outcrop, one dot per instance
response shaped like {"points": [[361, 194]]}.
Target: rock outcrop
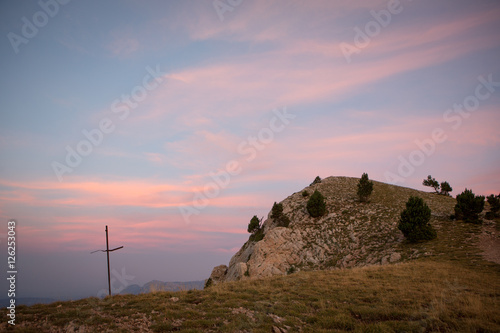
{"points": [[350, 234]]}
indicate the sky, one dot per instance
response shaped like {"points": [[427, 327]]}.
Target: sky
{"points": [[174, 122]]}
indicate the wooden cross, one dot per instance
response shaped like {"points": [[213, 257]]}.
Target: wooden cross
{"points": [[107, 253]]}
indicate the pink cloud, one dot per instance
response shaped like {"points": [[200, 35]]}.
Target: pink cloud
{"points": [[478, 129], [86, 232], [156, 158], [279, 78], [95, 193]]}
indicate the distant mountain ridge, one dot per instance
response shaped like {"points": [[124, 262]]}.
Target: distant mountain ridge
{"points": [[133, 289], [28, 301], [156, 285]]}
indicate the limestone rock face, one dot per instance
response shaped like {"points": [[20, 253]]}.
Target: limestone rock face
{"points": [[218, 274], [350, 234], [236, 272]]}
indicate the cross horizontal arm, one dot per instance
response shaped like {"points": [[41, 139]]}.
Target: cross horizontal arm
{"points": [[121, 247]]}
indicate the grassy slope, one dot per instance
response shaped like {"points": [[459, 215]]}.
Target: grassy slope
{"points": [[419, 296], [451, 289]]}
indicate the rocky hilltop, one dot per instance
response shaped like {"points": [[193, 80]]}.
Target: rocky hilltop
{"points": [[350, 234]]}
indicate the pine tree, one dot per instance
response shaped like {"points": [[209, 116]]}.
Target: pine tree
{"points": [[277, 210], [365, 188], [254, 225], [316, 205], [494, 202], [432, 183], [445, 188], [469, 206], [414, 221]]}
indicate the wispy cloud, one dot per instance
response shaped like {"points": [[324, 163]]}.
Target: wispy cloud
{"points": [[123, 45]]}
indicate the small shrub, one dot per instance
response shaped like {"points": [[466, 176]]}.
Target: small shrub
{"points": [[305, 193], [316, 205], [277, 215], [247, 273], [208, 283], [257, 237], [316, 180], [469, 206], [365, 188], [414, 221], [291, 270]]}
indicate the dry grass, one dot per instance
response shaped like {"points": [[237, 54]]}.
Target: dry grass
{"points": [[419, 296]]}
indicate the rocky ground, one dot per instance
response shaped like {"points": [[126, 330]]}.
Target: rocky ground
{"points": [[489, 241]]}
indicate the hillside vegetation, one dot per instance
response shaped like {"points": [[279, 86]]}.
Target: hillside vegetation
{"points": [[349, 234], [442, 285]]}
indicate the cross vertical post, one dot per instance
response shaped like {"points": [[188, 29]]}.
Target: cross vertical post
{"points": [[107, 253]]}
